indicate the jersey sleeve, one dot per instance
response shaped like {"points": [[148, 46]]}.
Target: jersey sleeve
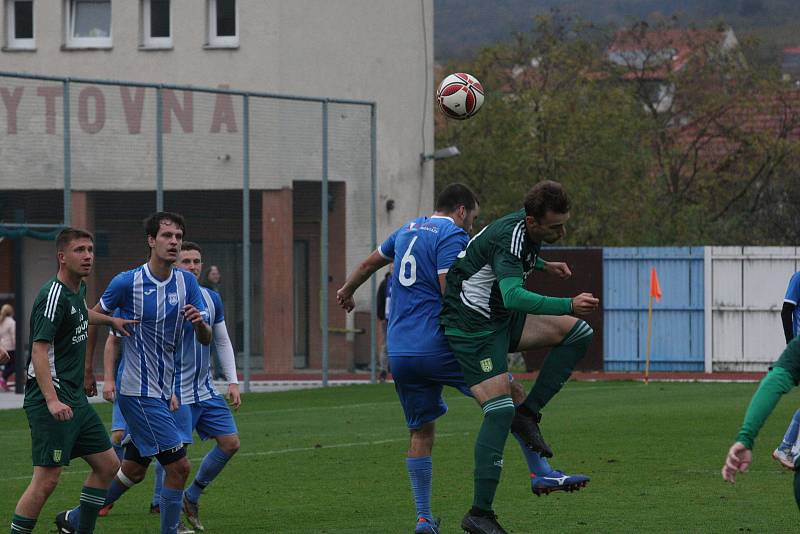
{"points": [[114, 295], [449, 249], [387, 247], [793, 291], [507, 253], [194, 296], [219, 309], [47, 314]]}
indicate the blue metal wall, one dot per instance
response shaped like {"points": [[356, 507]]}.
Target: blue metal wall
{"points": [[677, 342]]}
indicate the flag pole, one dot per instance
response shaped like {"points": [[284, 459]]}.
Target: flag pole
{"points": [[649, 335]]}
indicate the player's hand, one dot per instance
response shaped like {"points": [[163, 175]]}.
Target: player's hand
{"points": [[737, 461], [233, 396], [173, 403], [190, 313], [89, 383], [558, 269], [584, 304], [118, 324], [109, 390], [345, 300], [59, 410]]}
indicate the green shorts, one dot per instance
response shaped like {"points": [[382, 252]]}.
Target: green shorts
{"points": [[55, 443], [485, 355], [790, 359]]}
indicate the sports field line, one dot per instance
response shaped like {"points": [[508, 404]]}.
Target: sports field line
{"points": [[369, 443]]}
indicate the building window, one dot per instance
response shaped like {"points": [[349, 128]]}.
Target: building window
{"points": [[89, 23], [156, 24], [19, 24], [223, 23]]}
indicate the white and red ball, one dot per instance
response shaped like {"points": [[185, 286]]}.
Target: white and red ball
{"points": [[460, 96]]}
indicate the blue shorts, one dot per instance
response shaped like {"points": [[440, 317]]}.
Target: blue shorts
{"points": [[151, 425], [419, 381], [183, 418], [212, 418], [117, 421]]}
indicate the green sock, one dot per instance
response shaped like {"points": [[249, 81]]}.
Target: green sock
{"points": [[92, 499], [558, 366], [22, 525], [497, 415]]}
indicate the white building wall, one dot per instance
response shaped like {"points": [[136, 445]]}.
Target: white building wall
{"points": [[747, 287]]}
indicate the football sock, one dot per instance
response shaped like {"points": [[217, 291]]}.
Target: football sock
{"points": [[171, 501], [22, 525], [159, 482], [420, 472], [537, 465], [497, 415], [211, 466], [558, 366], [92, 499], [119, 450], [790, 438], [114, 492]]}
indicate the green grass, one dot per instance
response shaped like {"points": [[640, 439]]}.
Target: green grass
{"points": [[332, 461]]}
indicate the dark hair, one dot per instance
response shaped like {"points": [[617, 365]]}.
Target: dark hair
{"points": [[191, 245], [153, 222], [455, 195], [68, 235], [546, 196]]}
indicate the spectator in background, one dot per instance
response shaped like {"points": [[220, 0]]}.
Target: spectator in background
{"points": [[383, 305], [211, 281], [213, 278], [8, 342]]}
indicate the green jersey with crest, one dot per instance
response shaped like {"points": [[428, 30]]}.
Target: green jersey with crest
{"points": [[473, 301], [59, 317]]}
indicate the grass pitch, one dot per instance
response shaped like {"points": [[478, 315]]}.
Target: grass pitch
{"points": [[332, 461]]}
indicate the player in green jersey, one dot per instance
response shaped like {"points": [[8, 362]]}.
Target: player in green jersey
{"points": [[63, 424], [781, 379], [488, 313]]}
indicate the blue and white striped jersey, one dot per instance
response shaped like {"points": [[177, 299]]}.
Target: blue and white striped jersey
{"points": [[193, 360], [148, 354]]}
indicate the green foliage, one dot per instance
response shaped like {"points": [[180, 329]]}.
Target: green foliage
{"points": [[333, 461], [650, 154]]}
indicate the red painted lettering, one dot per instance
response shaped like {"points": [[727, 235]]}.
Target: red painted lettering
{"points": [[11, 102], [133, 106], [223, 113], [91, 127], [184, 113], [50, 93]]}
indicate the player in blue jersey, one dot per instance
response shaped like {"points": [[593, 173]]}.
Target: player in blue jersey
{"points": [[786, 453], [420, 358], [163, 298]]}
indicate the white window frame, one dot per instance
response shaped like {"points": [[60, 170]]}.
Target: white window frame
{"points": [[154, 42], [214, 40], [11, 39], [85, 42]]}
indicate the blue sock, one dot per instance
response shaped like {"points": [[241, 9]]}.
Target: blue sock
{"points": [[115, 491], [120, 450], [171, 501], [212, 464], [158, 484], [420, 472], [536, 464], [790, 438]]}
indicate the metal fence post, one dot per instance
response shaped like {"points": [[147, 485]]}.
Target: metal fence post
{"points": [[246, 284], [159, 150], [373, 314], [323, 288], [67, 157]]}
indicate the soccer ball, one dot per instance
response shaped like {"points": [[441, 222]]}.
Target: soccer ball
{"points": [[460, 96]]}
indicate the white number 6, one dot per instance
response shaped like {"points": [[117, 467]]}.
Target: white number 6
{"points": [[410, 260]]}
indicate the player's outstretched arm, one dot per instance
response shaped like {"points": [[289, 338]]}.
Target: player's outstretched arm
{"points": [[41, 366], [517, 298], [368, 267], [228, 361]]}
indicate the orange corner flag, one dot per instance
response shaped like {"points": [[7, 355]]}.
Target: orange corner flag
{"points": [[655, 287]]}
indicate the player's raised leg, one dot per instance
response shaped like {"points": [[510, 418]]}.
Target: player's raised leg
{"points": [[42, 485]]}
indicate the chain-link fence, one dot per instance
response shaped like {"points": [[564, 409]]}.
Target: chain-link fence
{"points": [[249, 171]]}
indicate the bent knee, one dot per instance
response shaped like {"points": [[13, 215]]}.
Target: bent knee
{"points": [[229, 444]]}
